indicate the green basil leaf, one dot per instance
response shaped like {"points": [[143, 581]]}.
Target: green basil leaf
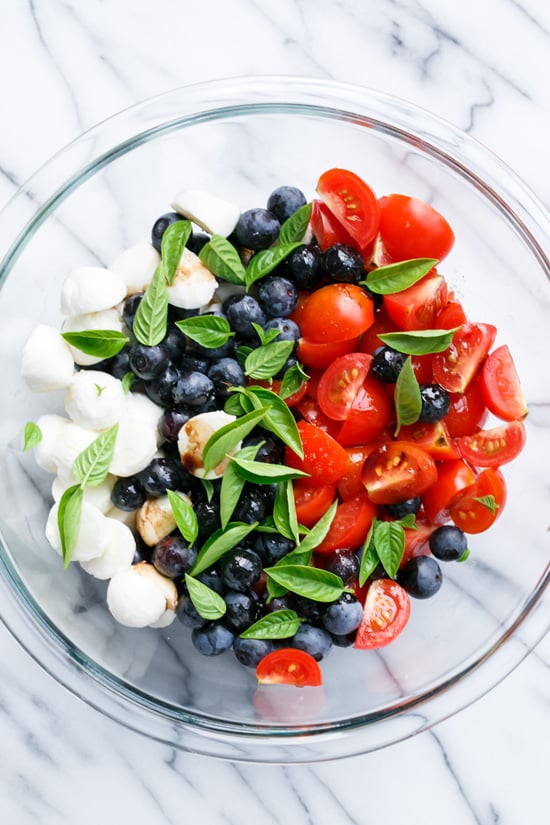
{"points": [[220, 543], [222, 259], [236, 404], [389, 540], [278, 418], [262, 472], [207, 330], [173, 243], [91, 466], [319, 530], [464, 556], [208, 487], [242, 352], [296, 556], [32, 435], [207, 602], [284, 511], [227, 437], [101, 343], [294, 228], [319, 585], [151, 319], [232, 485], [68, 521], [264, 262], [184, 514], [489, 502], [293, 380], [407, 399], [281, 624], [265, 362], [409, 521], [265, 336], [387, 280], [127, 380], [419, 342], [369, 559]]}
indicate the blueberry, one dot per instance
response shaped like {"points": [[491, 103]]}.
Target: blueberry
{"points": [[313, 640], [277, 296], [173, 557], [180, 314], [343, 616], [287, 329], [208, 517], [420, 577], [271, 547], [173, 419], [148, 362], [436, 402], [344, 563], [130, 308], [404, 508], [160, 388], [243, 312], [292, 361], [250, 652], [345, 640], [188, 615], [128, 493], [160, 475], [285, 602], [387, 363], [308, 609], [225, 373], [161, 225], [243, 609], [197, 241], [285, 201], [343, 264], [194, 363], [303, 267], [213, 580], [241, 568], [193, 388], [212, 640], [210, 354], [257, 229], [252, 505], [271, 451], [448, 543], [119, 364], [174, 342]]}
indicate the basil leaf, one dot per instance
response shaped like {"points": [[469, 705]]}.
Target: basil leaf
{"points": [[151, 319], [296, 556], [184, 514], [227, 438], [284, 511], [222, 259], [369, 559], [281, 624], [101, 343], [389, 540], [489, 502], [407, 399], [220, 543], [264, 262], [261, 472], [278, 418], [207, 330], [419, 342], [91, 466], [293, 380], [319, 585], [172, 245], [68, 521], [236, 404], [464, 556], [32, 435], [208, 487], [409, 521], [127, 380], [265, 336], [232, 485], [294, 228], [206, 601], [319, 530], [265, 362], [242, 352], [386, 280]]}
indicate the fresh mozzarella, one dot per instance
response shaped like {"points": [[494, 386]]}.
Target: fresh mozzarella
{"points": [[140, 596], [47, 360], [106, 319], [91, 289], [117, 556], [99, 496], [193, 285], [52, 428], [215, 215], [136, 266], [127, 517], [73, 440], [93, 536], [192, 440], [95, 400], [141, 407], [135, 446], [155, 519]]}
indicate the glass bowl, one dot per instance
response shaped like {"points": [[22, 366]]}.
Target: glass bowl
{"points": [[240, 139]]}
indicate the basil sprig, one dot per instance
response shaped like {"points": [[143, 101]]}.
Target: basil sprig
{"points": [[207, 330], [261, 472], [227, 437], [266, 361], [387, 280], [319, 531], [281, 624], [220, 543], [489, 502], [206, 601], [419, 342], [127, 380], [385, 545], [278, 419], [284, 511], [294, 228], [232, 484], [186, 520], [172, 245], [408, 400], [266, 336], [265, 261], [222, 259], [293, 380], [101, 343], [151, 318], [68, 520], [311, 582], [31, 436]]}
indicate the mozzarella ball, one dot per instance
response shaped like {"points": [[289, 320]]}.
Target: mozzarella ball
{"points": [[52, 428], [73, 440], [192, 440], [91, 289], [117, 556], [135, 446], [106, 319], [92, 537], [99, 496], [136, 266], [47, 363], [193, 284], [215, 215], [141, 408], [155, 519], [127, 517], [140, 596], [95, 400]]}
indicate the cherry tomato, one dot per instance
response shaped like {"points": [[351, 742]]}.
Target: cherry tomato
{"points": [[500, 386], [410, 228], [491, 448], [385, 614], [289, 666], [326, 228], [422, 366], [417, 307], [310, 410], [397, 471], [350, 525], [434, 438], [315, 375], [416, 541], [296, 314], [451, 316], [369, 415], [452, 478], [351, 483], [320, 356], [479, 506], [340, 383], [382, 324], [352, 202], [312, 501], [324, 459], [336, 312], [468, 411], [455, 367]]}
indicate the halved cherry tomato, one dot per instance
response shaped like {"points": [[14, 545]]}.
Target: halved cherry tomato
{"points": [[352, 202], [320, 356], [434, 438], [382, 324], [397, 471], [350, 525], [340, 383], [491, 448], [479, 506], [455, 367], [416, 541], [296, 314], [351, 483], [310, 411], [451, 316], [326, 228], [467, 412], [289, 666], [422, 366], [336, 312], [324, 459], [452, 478], [410, 228], [312, 501], [369, 415], [385, 614], [315, 375], [417, 307], [500, 386]]}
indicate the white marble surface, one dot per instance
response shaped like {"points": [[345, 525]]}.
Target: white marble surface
{"points": [[66, 65]]}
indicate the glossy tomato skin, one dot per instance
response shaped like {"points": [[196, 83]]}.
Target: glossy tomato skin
{"points": [[289, 666], [350, 525], [451, 316], [312, 501], [418, 306], [452, 478], [494, 447], [468, 411], [471, 514], [336, 312], [456, 367], [320, 356], [382, 323], [352, 202], [369, 415], [501, 387], [311, 412], [385, 614], [340, 383], [410, 228], [351, 483], [397, 471], [326, 228], [434, 438], [324, 459], [417, 541]]}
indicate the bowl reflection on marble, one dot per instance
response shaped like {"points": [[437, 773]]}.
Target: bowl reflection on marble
{"points": [[240, 139]]}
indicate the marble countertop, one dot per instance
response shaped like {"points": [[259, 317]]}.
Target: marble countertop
{"points": [[67, 65]]}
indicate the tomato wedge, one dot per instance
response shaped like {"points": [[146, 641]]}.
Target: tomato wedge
{"points": [[410, 228], [310, 410], [451, 316], [336, 312], [397, 471], [369, 415], [417, 307], [417, 541], [324, 459], [340, 382], [350, 525], [456, 367], [351, 483], [479, 506], [385, 614], [491, 448], [452, 478], [352, 202], [312, 501], [326, 228], [434, 438], [289, 666], [468, 411], [500, 386], [320, 356], [382, 324]]}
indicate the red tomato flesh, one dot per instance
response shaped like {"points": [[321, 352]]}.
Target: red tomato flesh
{"points": [[369, 415], [320, 356], [468, 411], [352, 202], [451, 316], [457, 366], [385, 614], [396, 471], [452, 478], [500, 386], [312, 501], [417, 307], [491, 448], [324, 459], [479, 506], [340, 383], [434, 438], [336, 312], [350, 526], [289, 666], [410, 228], [310, 410], [326, 228]]}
